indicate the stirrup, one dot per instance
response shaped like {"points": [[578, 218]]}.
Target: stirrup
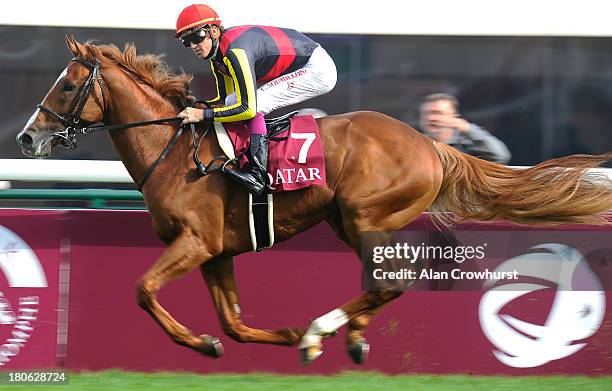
{"points": [[252, 185], [228, 161], [248, 179]]}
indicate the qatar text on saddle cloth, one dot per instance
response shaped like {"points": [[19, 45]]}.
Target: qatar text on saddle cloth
{"points": [[293, 163]]}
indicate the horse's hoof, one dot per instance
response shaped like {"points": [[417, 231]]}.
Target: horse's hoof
{"points": [[310, 354], [359, 351], [210, 346]]}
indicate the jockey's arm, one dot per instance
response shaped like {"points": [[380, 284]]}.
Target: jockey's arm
{"points": [[243, 80], [220, 83]]}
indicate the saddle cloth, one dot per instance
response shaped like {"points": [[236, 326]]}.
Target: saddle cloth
{"points": [[295, 155]]}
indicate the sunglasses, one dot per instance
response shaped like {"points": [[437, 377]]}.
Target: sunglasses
{"points": [[196, 37]]}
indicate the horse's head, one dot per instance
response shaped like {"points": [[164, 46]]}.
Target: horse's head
{"points": [[77, 98]]}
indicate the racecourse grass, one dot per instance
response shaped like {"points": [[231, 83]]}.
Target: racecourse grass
{"points": [[349, 381]]}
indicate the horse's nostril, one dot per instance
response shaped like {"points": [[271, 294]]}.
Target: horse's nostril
{"points": [[25, 140]]}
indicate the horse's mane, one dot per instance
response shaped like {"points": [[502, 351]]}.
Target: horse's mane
{"points": [[147, 68]]}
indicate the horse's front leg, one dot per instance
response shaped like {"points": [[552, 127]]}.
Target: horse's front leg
{"points": [[184, 254], [219, 276]]}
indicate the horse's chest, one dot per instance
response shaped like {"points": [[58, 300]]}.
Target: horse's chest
{"points": [[165, 224], [165, 230]]}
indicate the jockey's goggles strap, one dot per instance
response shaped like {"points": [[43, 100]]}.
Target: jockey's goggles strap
{"points": [[214, 48]]}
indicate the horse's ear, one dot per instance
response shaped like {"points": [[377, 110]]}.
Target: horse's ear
{"points": [[74, 46]]}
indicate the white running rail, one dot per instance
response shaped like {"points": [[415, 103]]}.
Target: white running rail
{"points": [[103, 171]]}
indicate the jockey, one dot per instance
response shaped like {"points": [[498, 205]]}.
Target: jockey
{"points": [[257, 69]]}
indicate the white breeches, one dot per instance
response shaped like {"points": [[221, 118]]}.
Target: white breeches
{"points": [[317, 77]]}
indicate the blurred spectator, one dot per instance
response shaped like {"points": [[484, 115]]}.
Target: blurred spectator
{"points": [[440, 120]]}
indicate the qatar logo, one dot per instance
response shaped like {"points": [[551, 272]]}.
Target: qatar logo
{"points": [[18, 311], [577, 311]]}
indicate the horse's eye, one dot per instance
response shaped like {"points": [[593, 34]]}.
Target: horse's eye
{"points": [[68, 86]]}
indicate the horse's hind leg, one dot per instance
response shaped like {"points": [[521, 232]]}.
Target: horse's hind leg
{"points": [[356, 345], [380, 293], [184, 254], [361, 310], [371, 216], [357, 313], [219, 276], [364, 309]]}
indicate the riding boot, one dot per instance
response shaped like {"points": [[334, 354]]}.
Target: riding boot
{"points": [[255, 178]]}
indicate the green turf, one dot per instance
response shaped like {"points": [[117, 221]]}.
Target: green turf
{"points": [[370, 381]]}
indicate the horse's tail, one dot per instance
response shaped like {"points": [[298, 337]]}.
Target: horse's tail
{"points": [[553, 192]]}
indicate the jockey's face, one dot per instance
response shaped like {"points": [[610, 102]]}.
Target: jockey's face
{"points": [[202, 49], [434, 116]]}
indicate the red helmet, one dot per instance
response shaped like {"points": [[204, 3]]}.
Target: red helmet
{"points": [[196, 15]]}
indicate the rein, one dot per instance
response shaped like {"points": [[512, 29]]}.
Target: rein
{"points": [[201, 168], [71, 122]]}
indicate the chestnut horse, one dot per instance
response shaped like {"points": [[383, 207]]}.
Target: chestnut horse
{"points": [[381, 175]]}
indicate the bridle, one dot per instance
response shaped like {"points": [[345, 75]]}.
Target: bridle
{"points": [[72, 119]]}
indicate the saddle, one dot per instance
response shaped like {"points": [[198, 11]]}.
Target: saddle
{"points": [[295, 161], [280, 124], [260, 209]]}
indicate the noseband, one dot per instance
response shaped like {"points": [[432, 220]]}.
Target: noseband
{"points": [[73, 117]]}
